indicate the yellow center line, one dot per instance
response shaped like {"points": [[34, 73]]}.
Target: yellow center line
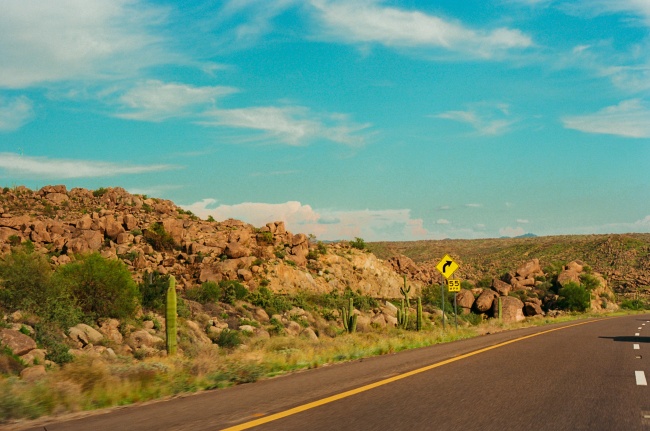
{"points": [[330, 399]]}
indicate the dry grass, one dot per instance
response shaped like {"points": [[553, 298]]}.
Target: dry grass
{"points": [[91, 383]]}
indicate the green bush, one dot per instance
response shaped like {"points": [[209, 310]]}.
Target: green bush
{"points": [[205, 293], [358, 243], [573, 297], [431, 296], [269, 301], [232, 291], [158, 237], [25, 280], [634, 304], [228, 339], [102, 287], [153, 290]]}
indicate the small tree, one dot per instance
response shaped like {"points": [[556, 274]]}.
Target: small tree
{"points": [[102, 287], [574, 297]]}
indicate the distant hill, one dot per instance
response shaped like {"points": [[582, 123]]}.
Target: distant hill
{"points": [[622, 259]]}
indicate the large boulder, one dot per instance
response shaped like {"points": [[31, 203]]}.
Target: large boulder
{"points": [[84, 334], [19, 343], [512, 309], [530, 268], [484, 301], [533, 308], [465, 299], [501, 287]]}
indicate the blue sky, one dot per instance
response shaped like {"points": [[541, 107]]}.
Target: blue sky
{"points": [[386, 120]]}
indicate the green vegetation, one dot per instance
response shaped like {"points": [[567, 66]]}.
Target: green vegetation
{"points": [[101, 287], [171, 314], [574, 297], [358, 243], [349, 318]]}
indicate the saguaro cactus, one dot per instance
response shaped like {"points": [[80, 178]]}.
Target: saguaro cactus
{"points": [[170, 316], [349, 318], [405, 291], [418, 321]]}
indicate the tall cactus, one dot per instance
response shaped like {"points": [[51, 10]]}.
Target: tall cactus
{"points": [[170, 316], [405, 291], [402, 315], [418, 321], [402, 312], [349, 318]]}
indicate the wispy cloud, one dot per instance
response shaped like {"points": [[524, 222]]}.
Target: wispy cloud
{"points": [[43, 41], [372, 225], [291, 125], [637, 8], [630, 118], [155, 100], [484, 118], [473, 205], [442, 221], [45, 167], [523, 221], [15, 112], [368, 21]]}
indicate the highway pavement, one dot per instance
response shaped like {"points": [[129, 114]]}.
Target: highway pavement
{"points": [[584, 375]]}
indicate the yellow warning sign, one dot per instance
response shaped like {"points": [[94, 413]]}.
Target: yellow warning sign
{"points": [[447, 266], [454, 285]]}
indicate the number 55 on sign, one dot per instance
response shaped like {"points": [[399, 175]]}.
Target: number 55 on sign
{"points": [[454, 285]]}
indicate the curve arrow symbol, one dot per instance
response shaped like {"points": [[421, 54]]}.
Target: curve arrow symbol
{"points": [[444, 267]]}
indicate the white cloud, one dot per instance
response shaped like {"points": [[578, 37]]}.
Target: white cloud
{"points": [[442, 221], [473, 205], [45, 167], [372, 225], [367, 21], [292, 125], [640, 8], [46, 41], [15, 112], [485, 118], [155, 100], [630, 118], [512, 231], [523, 221]]}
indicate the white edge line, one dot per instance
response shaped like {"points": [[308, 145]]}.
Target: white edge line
{"points": [[640, 378], [636, 334], [637, 347]]}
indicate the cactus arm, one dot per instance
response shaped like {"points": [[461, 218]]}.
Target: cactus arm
{"points": [[170, 317], [418, 323]]}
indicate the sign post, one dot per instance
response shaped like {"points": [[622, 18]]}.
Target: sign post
{"points": [[447, 267], [454, 286]]}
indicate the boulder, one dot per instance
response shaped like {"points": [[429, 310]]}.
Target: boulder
{"points": [[484, 301], [84, 334], [568, 276], [235, 250], [501, 287], [530, 268], [142, 338], [511, 309], [16, 341], [533, 308], [33, 373], [465, 298]]}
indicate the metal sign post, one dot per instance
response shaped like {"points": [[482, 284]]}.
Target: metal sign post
{"points": [[446, 267], [454, 286]]}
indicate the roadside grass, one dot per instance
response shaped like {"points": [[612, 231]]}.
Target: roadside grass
{"points": [[92, 383]]}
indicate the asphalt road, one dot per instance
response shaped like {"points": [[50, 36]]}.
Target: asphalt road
{"points": [[584, 377]]}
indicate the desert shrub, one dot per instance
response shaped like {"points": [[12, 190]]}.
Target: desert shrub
{"points": [[102, 287], [99, 192], [228, 339], [158, 237], [153, 290], [270, 302], [232, 291], [205, 293], [634, 304], [431, 296], [589, 282], [25, 280], [573, 297], [266, 237], [26, 284], [358, 243], [52, 339]]}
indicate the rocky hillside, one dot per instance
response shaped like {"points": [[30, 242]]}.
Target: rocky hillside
{"points": [[150, 234], [624, 260]]}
